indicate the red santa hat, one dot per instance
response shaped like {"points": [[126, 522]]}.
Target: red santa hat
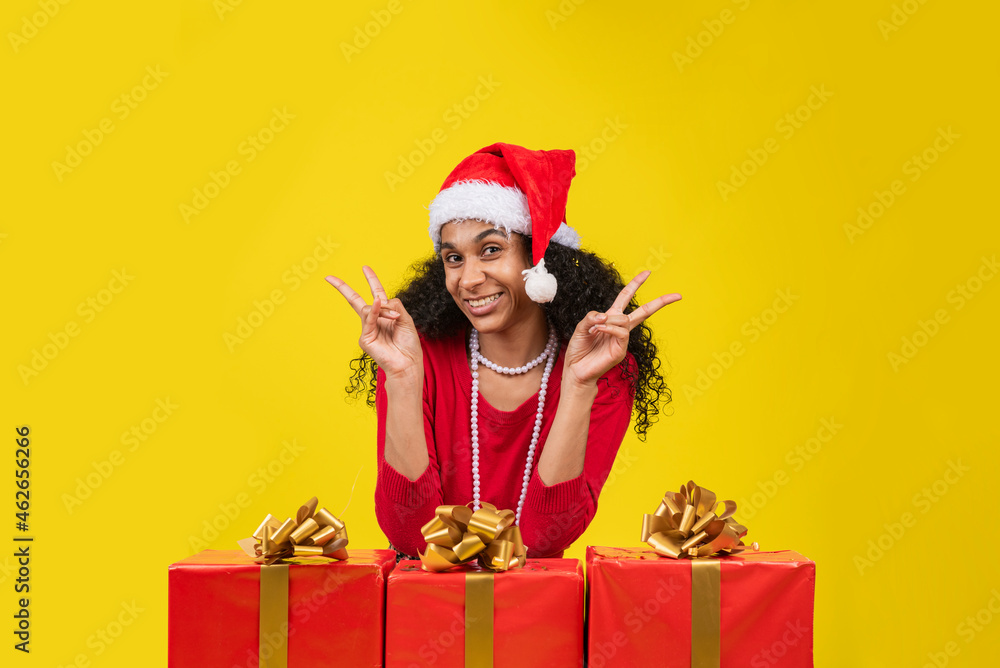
{"points": [[516, 189]]}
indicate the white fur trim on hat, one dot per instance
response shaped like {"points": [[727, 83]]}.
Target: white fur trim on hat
{"points": [[490, 202], [566, 236], [480, 200]]}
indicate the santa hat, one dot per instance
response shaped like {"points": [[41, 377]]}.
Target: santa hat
{"points": [[516, 189]]}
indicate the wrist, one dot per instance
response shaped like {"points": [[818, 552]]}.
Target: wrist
{"points": [[571, 386], [407, 380]]}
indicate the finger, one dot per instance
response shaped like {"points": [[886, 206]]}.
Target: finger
{"points": [[387, 312], [374, 283], [592, 318], [616, 319], [397, 307], [651, 307], [369, 319], [625, 296], [620, 333], [352, 297]]}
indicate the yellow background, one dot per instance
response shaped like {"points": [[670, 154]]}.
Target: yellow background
{"points": [[662, 132]]}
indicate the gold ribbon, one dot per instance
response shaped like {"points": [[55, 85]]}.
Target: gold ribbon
{"points": [[313, 533], [457, 535], [706, 590], [686, 525], [272, 640], [479, 619]]}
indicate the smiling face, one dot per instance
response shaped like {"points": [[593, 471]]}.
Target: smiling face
{"points": [[483, 268]]}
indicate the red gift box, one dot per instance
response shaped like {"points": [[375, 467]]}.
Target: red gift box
{"points": [[748, 610], [334, 610], [532, 616]]}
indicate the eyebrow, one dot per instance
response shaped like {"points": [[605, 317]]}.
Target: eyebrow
{"points": [[479, 237]]}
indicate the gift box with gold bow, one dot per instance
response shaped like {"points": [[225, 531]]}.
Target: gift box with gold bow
{"points": [[296, 596], [474, 600], [521, 618], [332, 610], [698, 597]]}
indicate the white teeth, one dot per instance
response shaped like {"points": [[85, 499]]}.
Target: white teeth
{"points": [[484, 301]]}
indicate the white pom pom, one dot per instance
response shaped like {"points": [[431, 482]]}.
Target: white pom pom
{"points": [[539, 284]]}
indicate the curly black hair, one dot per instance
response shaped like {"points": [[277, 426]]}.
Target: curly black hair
{"points": [[596, 284]]}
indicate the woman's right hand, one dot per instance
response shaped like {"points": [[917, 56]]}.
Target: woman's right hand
{"points": [[388, 334]]}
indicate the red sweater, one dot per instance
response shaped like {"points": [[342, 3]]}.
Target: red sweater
{"points": [[553, 516]]}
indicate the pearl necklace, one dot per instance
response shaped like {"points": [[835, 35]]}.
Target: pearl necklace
{"points": [[549, 357]]}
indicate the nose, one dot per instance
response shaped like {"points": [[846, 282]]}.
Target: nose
{"points": [[472, 276]]}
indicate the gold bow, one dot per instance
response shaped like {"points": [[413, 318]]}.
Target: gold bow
{"points": [[312, 533], [457, 535], [686, 524]]}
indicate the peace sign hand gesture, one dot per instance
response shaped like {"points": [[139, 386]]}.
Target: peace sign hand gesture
{"points": [[388, 334], [600, 341]]}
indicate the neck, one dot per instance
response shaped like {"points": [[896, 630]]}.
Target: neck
{"points": [[518, 344]]}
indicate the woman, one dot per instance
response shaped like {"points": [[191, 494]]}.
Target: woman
{"points": [[496, 380]]}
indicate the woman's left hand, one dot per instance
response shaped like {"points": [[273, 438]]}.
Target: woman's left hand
{"points": [[600, 341]]}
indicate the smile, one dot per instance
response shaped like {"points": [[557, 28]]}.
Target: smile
{"points": [[484, 301]]}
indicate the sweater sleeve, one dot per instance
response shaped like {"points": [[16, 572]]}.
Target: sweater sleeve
{"points": [[402, 505], [556, 515]]}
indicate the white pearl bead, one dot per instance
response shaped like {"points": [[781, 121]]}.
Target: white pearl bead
{"points": [[548, 356]]}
